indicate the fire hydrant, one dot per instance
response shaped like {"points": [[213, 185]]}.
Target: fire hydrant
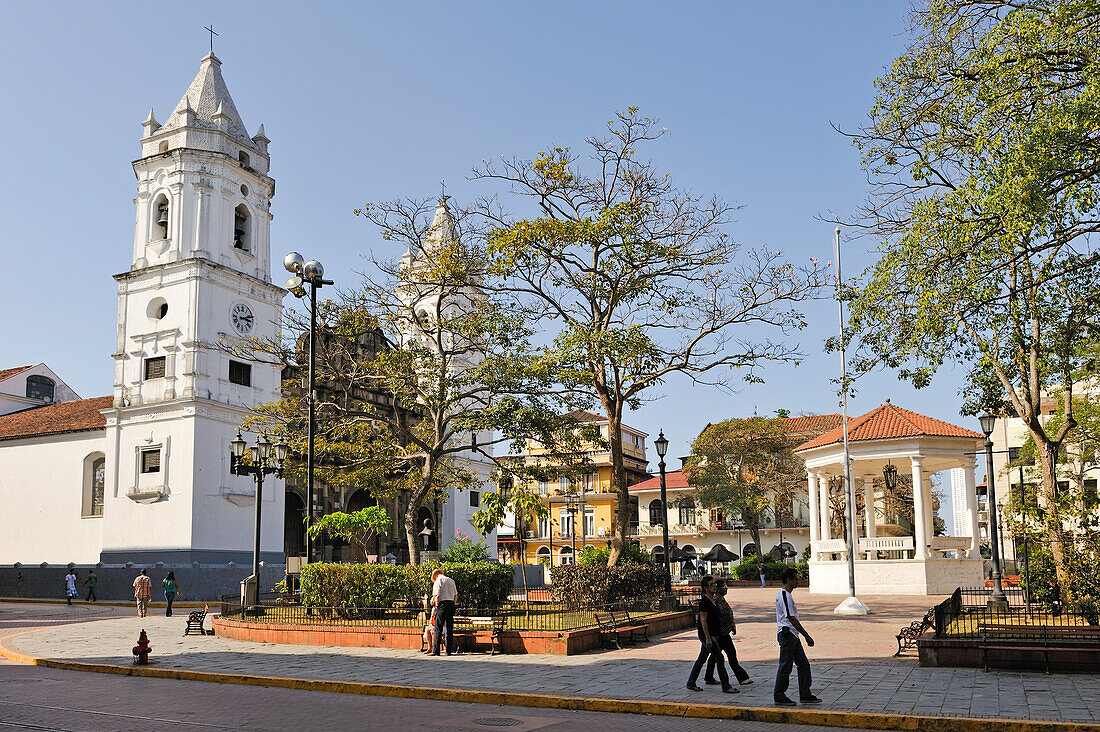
{"points": [[141, 650]]}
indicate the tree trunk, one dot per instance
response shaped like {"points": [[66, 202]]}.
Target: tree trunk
{"points": [[621, 528], [1053, 515]]}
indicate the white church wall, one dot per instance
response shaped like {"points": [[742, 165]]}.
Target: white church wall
{"points": [[42, 486]]}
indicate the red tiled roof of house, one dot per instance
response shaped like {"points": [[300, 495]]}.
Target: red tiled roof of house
{"points": [[53, 419], [885, 422], [812, 424], [582, 416], [675, 479], [8, 373]]}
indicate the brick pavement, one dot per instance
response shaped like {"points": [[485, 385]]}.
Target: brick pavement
{"points": [[852, 666]]}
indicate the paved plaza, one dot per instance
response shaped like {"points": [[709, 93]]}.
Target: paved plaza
{"points": [[852, 663]]}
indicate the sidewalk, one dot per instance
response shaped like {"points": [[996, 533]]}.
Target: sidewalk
{"points": [[853, 670]]}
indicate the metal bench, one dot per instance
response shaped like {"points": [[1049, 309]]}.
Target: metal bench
{"points": [[907, 637], [195, 619], [469, 629], [638, 631], [611, 631]]}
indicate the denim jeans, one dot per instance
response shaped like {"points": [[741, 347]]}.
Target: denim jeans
{"points": [[726, 642], [791, 653], [715, 653], [170, 597]]}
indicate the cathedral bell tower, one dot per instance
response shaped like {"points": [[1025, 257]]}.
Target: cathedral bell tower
{"points": [[198, 285]]}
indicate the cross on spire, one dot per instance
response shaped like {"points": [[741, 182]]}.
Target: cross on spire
{"points": [[443, 185], [212, 34]]}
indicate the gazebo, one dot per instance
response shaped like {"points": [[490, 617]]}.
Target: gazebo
{"points": [[896, 550]]}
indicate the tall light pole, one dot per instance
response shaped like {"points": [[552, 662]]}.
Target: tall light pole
{"points": [[851, 605], [310, 273], [264, 459], [997, 600], [661, 445]]}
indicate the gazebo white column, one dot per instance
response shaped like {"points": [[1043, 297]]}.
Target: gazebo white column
{"points": [[972, 508], [929, 523], [814, 503], [920, 530], [869, 507], [823, 491]]}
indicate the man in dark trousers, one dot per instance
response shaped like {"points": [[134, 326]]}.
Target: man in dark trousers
{"points": [[791, 652], [90, 582], [444, 594]]}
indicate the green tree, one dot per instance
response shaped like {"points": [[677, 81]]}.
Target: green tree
{"points": [[747, 468], [358, 527], [638, 278], [512, 499], [984, 164]]}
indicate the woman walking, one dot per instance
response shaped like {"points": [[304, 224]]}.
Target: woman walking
{"points": [[171, 589], [709, 619], [727, 627]]}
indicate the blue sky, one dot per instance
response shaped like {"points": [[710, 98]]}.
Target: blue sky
{"points": [[368, 101]]}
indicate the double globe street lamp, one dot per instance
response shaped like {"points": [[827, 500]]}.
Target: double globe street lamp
{"points": [[311, 274], [997, 599], [661, 446], [265, 458]]}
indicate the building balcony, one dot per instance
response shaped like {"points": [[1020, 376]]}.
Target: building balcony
{"points": [[673, 530]]}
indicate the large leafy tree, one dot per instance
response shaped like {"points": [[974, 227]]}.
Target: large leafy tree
{"points": [[983, 155], [637, 277], [747, 468]]}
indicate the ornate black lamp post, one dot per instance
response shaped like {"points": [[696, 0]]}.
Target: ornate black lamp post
{"points": [[310, 273], [264, 459], [997, 600], [661, 445]]}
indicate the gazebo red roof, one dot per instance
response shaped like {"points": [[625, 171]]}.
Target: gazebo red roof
{"points": [[888, 422]]}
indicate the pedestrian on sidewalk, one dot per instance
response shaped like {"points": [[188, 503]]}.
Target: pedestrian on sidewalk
{"points": [[727, 627], [444, 595], [760, 569], [709, 628], [90, 582], [790, 647], [143, 590], [70, 586], [170, 591]]}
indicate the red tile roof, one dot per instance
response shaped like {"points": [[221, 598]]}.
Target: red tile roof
{"points": [[582, 416], [813, 424], [76, 416], [885, 422], [8, 373], [675, 479]]}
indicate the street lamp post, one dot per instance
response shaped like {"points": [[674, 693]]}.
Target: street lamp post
{"points": [[661, 445], [264, 459], [997, 600], [310, 273]]}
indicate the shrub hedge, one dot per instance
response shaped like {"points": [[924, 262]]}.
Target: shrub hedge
{"points": [[580, 584], [350, 586]]}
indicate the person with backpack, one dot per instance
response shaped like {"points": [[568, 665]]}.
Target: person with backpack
{"points": [[791, 652]]}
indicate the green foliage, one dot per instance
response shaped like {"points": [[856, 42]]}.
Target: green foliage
{"points": [[348, 587], [357, 528], [772, 570], [597, 555], [587, 585], [465, 549]]}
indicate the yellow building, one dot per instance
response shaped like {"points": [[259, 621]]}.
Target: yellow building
{"points": [[581, 512]]}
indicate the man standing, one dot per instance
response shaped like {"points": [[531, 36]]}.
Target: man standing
{"points": [[790, 647], [143, 590], [444, 594], [90, 582]]}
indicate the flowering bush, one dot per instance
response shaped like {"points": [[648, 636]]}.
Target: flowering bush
{"points": [[464, 549]]}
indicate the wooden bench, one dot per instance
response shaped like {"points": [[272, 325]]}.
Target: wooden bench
{"points": [[1038, 638], [470, 629], [907, 637], [611, 630], [638, 630], [195, 619]]}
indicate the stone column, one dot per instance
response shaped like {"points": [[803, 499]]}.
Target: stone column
{"points": [[814, 503], [920, 531], [823, 491], [869, 507], [972, 509]]}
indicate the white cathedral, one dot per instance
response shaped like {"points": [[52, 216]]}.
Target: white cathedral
{"points": [[143, 475]]}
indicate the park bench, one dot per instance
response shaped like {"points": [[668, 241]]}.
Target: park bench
{"points": [[470, 629], [195, 619], [908, 635], [612, 631], [638, 630], [1060, 640]]}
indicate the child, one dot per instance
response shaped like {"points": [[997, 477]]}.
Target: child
{"points": [[429, 631]]}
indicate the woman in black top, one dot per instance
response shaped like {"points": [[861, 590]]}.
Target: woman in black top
{"points": [[709, 627]]}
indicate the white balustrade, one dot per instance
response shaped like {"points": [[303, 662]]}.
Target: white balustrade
{"points": [[958, 544], [831, 546], [887, 544]]}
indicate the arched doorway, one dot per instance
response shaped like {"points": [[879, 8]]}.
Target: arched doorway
{"points": [[294, 526], [357, 502]]}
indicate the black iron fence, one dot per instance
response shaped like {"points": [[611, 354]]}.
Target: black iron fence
{"points": [[966, 613], [537, 614]]}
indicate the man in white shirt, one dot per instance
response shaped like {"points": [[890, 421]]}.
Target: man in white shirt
{"points": [[444, 594], [791, 652]]}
